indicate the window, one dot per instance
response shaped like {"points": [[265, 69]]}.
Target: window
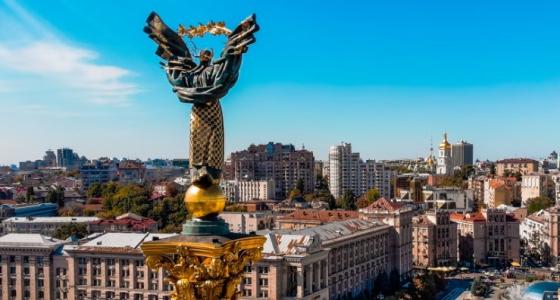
{"points": [[12, 259], [40, 283], [110, 261], [263, 294], [263, 270], [12, 270], [26, 271], [26, 282], [247, 269], [140, 274], [82, 261], [139, 263], [247, 293], [26, 259], [247, 280], [39, 260]]}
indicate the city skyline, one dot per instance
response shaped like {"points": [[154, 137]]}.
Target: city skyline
{"points": [[387, 81]]}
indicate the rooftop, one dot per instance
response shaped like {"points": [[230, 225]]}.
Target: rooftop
{"points": [[28, 240], [323, 216], [287, 244], [516, 161], [335, 230], [123, 240], [51, 220]]}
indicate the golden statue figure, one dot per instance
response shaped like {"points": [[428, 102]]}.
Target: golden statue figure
{"points": [[203, 85]]}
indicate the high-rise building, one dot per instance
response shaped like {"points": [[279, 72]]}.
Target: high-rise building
{"points": [[49, 159], [347, 171], [274, 161], [67, 158], [461, 154]]}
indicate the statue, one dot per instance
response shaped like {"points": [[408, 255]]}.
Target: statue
{"points": [[203, 86]]}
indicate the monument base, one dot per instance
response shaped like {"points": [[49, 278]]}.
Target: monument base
{"points": [[197, 227], [204, 266]]}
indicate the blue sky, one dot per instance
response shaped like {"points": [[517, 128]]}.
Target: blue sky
{"points": [[384, 75]]}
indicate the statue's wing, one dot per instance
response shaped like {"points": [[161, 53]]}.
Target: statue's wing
{"points": [[242, 36], [170, 45]]}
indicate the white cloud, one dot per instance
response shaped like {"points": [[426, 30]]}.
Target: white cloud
{"points": [[35, 51]]}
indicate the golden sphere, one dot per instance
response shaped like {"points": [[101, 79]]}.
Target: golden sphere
{"points": [[205, 202]]}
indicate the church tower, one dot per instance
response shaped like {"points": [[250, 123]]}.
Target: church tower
{"points": [[444, 166]]}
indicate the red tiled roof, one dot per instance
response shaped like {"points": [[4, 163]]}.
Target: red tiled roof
{"points": [[130, 222], [322, 216], [469, 217], [384, 204]]}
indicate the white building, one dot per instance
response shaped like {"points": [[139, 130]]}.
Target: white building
{"points": [[534, 229], [448, 198], [347, 171], [444, 163], [248, 190], [42, 225], [534, 185]]}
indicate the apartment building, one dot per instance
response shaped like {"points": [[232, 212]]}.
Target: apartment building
{"points": [[434, 240], [487, 237]]}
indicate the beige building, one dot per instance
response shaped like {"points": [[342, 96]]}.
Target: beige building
{"points": [[110, 266], [246, 222], [487, 237], [28, 262], [499, 191], [516, 165], [434, 240], [536, 185], [399, 217], [331, 261], [294, 266]]}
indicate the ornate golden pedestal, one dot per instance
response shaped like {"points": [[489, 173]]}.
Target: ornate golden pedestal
{"points": [[204, 267]]}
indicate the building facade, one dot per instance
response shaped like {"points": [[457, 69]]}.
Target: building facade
{"points": [[274, 161], [347, 171], [399, 217], [247, 222], [42, 225], [248, 190], [516, 165], [487, 237], [434, 240], [462, 154]]}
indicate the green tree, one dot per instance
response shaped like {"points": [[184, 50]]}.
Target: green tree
{"points": [[347, 201], [56, 195], [300, 185], [479, 288], [373, 194], [30, 194], [78, 230], [94, 191], [538, 203]]}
